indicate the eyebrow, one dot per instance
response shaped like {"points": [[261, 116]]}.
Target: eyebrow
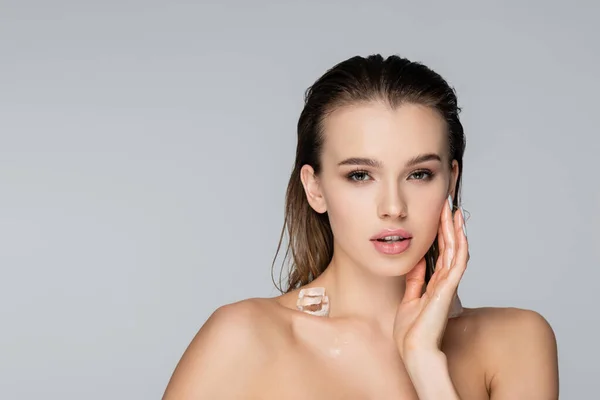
{"points": [[369, 162]]}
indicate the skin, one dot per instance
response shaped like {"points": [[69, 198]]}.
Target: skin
{"points": [[387, 336]]}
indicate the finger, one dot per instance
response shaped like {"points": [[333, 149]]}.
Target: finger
{"points": [[440, 234], [442, 294], [415, 279], [462, 253], [441, 244], [449, 237], [439, 263], [448, 279], [457, 231]]}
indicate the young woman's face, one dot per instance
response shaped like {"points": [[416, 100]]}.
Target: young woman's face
{"points": [[383, 169]]}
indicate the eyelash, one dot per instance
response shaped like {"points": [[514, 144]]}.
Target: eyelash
{"points": [[429, 175]]}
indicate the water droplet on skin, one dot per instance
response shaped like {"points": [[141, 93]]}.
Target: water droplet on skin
{"points": [[335, 351]]}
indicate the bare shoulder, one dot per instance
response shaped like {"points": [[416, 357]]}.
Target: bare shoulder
{"points": [[513, 329], [520, 352], [236, 341], [507, 319]]}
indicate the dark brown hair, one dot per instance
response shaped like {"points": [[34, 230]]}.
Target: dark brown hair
{"points": [[394, 80]]}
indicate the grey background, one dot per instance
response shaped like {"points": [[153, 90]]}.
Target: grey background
{"points": [[146, 146]]}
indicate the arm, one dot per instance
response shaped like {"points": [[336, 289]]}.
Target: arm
{"points": [[430, 376], [421, 317], [222, 359], [525, 358], [522, 361]]}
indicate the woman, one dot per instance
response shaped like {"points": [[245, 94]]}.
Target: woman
{"points": [[378, 246]]}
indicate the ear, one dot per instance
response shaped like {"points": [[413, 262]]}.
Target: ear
{"points": [[453, 178], [312, 189]]}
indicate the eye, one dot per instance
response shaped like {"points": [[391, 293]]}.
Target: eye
{"points": [[423, 175], [358, 176]]}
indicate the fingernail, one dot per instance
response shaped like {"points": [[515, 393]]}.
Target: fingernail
{"points": [[450, 201], [464, 225]]}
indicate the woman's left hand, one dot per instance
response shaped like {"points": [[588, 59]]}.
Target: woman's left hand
{"points": [[421, 317]]}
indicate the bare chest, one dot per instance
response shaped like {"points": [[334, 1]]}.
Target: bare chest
{"points": [[355, 368], [335, 375]]}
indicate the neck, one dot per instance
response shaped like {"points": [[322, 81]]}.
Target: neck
{"points": [[355, 293]]}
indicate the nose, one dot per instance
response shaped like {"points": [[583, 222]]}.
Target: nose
{"points": [[391, 204]]}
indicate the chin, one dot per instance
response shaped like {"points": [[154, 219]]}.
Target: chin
{"points": [[394, 265], [384, 265], [391, 268], [393, 271]]}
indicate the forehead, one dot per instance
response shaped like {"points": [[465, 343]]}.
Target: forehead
{"points": [[392, 135]]}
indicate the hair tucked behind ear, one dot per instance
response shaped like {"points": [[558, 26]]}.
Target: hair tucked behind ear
{"points": [[394, 80]]}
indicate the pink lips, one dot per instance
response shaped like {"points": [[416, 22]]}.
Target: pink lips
{"points": [[392, 248], [392, 232]]}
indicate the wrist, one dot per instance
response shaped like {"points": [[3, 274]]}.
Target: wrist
{"points": [[425, 359], [417, 353], [429, 374]]}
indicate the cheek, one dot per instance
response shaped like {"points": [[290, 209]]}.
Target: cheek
{"points": [[428, 211], [349, 210]]}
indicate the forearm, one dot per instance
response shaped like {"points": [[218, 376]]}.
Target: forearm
{"points": [[430, 376]]}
